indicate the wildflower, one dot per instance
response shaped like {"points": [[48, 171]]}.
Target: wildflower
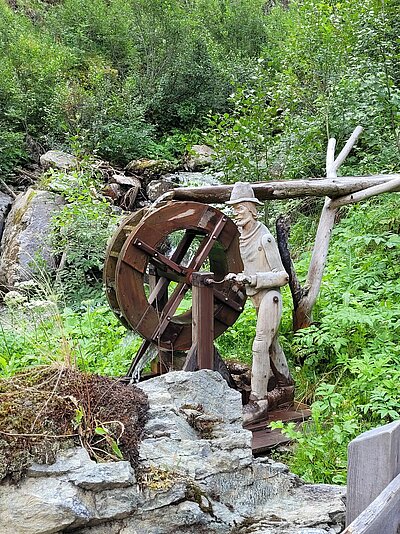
{"points": [[14, 298]]}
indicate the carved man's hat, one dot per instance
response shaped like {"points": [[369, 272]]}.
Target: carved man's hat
{"points": [[242, 192]]}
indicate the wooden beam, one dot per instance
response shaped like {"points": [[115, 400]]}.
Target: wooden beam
{"points": [[203, 319], [280, 190]]}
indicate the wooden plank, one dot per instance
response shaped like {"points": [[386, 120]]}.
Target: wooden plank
{"points": [[265, 439], [382, 516], [373, 462]]}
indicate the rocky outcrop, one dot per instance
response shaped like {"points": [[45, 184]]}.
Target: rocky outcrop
{"points": [[156, 188], [196, 474], [26, 235], [56, 159], [150, 169]]}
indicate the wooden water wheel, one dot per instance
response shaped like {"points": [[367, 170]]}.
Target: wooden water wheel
{"points": [[149, 265]]}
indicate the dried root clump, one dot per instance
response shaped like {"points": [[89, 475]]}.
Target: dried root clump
{"points": [[48, 408]]}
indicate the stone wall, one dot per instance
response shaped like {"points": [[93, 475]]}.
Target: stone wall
{"points": [[196, 473]]}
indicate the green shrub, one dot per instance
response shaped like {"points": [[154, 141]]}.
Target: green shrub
{"points": [[80, 233]]}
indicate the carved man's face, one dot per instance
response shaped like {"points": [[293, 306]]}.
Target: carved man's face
{"points": [[243, 214]]}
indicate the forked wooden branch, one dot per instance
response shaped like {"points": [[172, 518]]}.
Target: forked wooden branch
{"points": [[303, 309]]}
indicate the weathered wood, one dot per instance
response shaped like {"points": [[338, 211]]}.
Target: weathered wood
{"points": [[279, 190], [303, 313], [347, 147], [382, 516], [387, 187], [373, 462]]}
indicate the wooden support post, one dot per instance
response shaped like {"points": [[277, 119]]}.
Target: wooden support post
{"points": [[203, 319], [374, 461]]}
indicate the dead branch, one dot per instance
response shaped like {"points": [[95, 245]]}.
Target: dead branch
{"points": [[282, 238], [387, 187], [8, 189]]}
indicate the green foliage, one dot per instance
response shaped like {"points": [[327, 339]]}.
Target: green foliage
{"points": [[126, 73], [40, 332], [326, 68], [80, 232], [236, 342], [244, 136]]}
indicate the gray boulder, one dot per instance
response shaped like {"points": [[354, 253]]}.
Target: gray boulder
{"points": [[156, 188], [5, 205], [199, 157], [26, 235], [56, 159], [74, 491], [150, 168]]}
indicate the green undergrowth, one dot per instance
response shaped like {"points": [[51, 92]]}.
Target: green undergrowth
{"points": [[347, 364], [39, 332]]}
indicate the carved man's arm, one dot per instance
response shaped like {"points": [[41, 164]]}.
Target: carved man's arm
{"points": [[277, 277]]}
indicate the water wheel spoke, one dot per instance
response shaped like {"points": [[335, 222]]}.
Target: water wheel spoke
{"points": [[158, 258], [170, 308], [219, 295], [206, 245], [169, 275], [165, 275]]}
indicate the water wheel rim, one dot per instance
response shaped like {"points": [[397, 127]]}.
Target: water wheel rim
{"points": [[114, 247], [165, 329]]}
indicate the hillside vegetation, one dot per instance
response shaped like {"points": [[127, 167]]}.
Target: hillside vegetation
{"points": [[266, 84]]}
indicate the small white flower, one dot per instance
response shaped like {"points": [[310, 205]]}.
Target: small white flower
{"points": [[13, 298], [26, 284]]}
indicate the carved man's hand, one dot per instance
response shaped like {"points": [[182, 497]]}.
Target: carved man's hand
{"points": [[240, 278]]}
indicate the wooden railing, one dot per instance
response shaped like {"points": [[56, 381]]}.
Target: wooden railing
{"points": [[373, 482]]}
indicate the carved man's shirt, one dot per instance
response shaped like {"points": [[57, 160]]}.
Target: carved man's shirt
{"points": [[261, 258]]}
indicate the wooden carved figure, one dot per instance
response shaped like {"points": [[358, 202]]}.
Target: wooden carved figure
{"points": [[262, 277]]}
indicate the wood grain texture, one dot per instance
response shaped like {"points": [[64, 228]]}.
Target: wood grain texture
{"points": [[373, 462], [382, 516], [203, 319], [276, 190]]}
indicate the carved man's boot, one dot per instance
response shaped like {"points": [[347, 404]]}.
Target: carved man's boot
{"points": [[255, 411]]}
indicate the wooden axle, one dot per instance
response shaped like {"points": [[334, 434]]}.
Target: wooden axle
{"points": [[279, 190]]}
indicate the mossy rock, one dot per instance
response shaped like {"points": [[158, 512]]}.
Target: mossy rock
{"points": [[49, 408]]}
